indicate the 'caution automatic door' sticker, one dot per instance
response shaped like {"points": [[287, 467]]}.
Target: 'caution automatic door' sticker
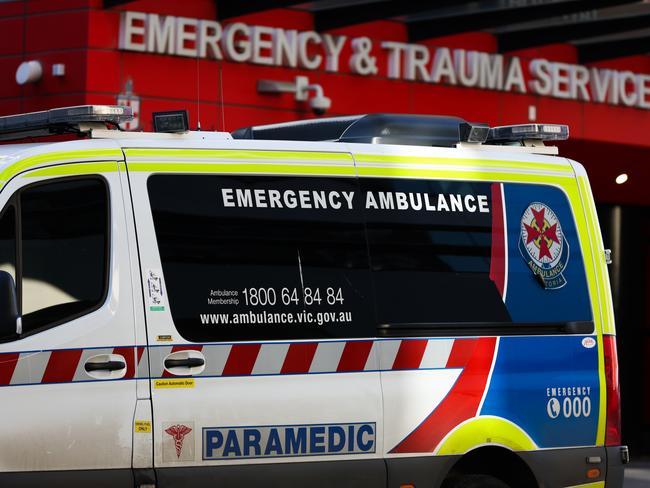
{"points": [[174, 383]]}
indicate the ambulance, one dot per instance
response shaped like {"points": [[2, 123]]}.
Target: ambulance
{"points": [[367, 301]]}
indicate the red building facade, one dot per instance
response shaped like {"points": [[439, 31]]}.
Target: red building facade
{"points": [[608, 113]]}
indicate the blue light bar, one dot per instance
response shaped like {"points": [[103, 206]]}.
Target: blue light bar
{"points": [[522, 132], [61, 120]]}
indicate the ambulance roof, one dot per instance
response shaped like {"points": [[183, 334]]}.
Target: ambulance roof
{"points": [[373, 134]]}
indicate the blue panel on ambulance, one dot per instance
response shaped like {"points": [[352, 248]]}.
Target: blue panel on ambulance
{"points": [[549, 387], [526, 299]]}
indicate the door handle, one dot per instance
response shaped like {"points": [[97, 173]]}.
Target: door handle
{"points": [[184, 363], [105, 366], [187, 363]]}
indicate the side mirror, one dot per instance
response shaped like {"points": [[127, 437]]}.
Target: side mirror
{"points": [[9, 320]]}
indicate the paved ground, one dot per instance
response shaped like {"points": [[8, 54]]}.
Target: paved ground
{"points": [[637, 474]]}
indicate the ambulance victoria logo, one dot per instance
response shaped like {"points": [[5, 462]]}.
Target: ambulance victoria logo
{"points": [[178, 432], [542, 244]]}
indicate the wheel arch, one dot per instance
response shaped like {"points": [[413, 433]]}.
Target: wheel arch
{"points": [[497, 461]]}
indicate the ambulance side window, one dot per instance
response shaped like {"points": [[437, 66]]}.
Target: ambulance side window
{"points": [[263, 258], [8, 241], [64, 250], [446, 252], [546, 279], [430, 251]]}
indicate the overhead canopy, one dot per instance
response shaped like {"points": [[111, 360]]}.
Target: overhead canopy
{"points": [[516, 25]]}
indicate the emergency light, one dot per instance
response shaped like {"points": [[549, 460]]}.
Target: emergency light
{"points": [[61, 120], [409, 129], [522, 132]]}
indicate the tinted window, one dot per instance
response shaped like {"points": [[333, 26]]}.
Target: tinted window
{"points": [[64, 250], [430, 250], [263, 257], [445, 251], [543, 240]]}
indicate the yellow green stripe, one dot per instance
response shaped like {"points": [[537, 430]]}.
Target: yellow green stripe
{"points": [[162, 167], [585, 232], [601, 266], [481, 431], [593, 235], [32, 161], [238, 154], [462, 174], [526, 165], [476, 175], [594, 484], [599, 299], [73, 169]]}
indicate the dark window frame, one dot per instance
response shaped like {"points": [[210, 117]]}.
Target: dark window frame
{"points": [[11, 204], [15, 201]]}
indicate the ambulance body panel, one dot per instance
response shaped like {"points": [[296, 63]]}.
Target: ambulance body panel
{"points": [[326, 313], [58, 416]]}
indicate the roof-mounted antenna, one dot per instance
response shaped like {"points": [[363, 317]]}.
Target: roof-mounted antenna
{"points": [[198, 95], [223, 108]]}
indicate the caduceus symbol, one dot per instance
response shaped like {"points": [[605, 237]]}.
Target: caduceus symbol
{"points": [[178, 433]]}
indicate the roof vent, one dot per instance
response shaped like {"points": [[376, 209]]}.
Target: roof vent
{"points": [[418, 130]]}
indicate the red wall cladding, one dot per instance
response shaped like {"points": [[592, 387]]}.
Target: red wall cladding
{"points": [[84, 36]]}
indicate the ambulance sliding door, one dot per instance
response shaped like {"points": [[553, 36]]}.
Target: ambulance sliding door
{"points": [[66, 383], [263, 363], [430, 250]]}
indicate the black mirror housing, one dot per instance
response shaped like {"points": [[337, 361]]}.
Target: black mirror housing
{"points": [[8, 306]]}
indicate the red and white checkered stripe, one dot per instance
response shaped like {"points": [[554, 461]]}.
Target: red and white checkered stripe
{"points": [[246, 359], [62, 365], [319, 357]]}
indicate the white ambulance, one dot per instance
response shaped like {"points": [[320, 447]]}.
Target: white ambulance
{"points": [[378, 300]]}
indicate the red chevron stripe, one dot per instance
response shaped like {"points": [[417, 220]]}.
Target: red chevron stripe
{"points": [[460, 404], [241, 359], [140, 354], [299, 358], [8, 364], [61, 366], [354, 356], [409, 354], [461, 352]]}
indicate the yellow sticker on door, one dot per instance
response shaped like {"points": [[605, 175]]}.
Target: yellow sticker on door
{"points": [[174, 383], [142, 426]]}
